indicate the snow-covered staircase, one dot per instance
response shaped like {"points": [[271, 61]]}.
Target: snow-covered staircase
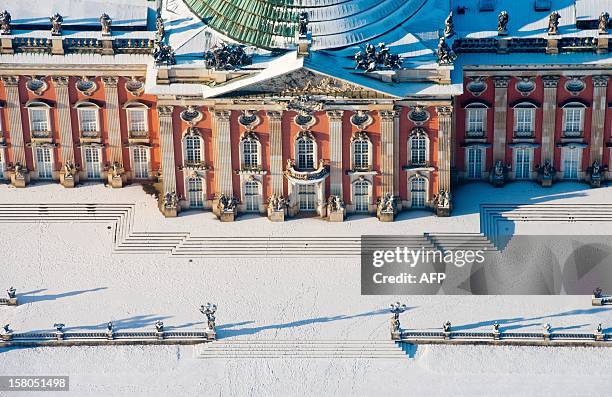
{"points": [[367, 349], [460, 241]]}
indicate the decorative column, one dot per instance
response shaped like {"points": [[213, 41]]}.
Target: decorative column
{"points": [[69, 174], [114, 127], [224, 203], [335, 152], [169, 201], [499, 118], [276, 153], [389, 137], [549, 119], [19, 174], [600, 84], [445, 126]]}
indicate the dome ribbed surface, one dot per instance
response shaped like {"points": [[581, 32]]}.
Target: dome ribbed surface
{"points": [[333, 23]]}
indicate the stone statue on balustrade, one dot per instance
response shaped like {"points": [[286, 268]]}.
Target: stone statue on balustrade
{"points": [[449, 26], [546, 173], [596, 173], [442, 203], [227, 57], [106, 23], [164, 55], [335, 209], [5, 22], [446, 56], [502, 23], [303, 24], [498, 175], [159, 26], [553, 23], [56, 24], [604, 19], [209, 310]]}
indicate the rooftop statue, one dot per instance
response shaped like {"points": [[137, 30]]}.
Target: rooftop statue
{"points": [[5, 22], [604, 19], [164, 54], [106, 23], [502, 23], [303, 24], [449, 26], [446, 56], [56, 24], [227, 57], [374, 59], [553, 23]]}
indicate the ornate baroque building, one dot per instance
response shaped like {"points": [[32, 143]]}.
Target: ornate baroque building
{"points": [[328, 108]]}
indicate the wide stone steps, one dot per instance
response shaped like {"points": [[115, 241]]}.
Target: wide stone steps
{"points": [[225, 349], [461, 241]]}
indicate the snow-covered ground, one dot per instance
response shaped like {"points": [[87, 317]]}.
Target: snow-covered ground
{"points": [[68, 273]]}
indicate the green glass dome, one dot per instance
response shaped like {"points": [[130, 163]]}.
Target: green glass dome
{"points": [[333, 23]]}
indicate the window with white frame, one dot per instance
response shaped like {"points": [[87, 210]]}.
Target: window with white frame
{"points": [[305, 153], [137, 120], [93, 162], [2, 163], [573, 120], [524, 121], [571, 162], [251, 196], [474, 162], [418, 149], [195, 193], [361, 154], [522, 163], [250, 154], [418, 190], [140, 162], [44, 162], [475, 121], [193, 149], [307, 197], [39, 119], [88, 119]]}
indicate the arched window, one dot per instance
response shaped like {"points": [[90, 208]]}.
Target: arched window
{"points": [[138, 123], [195, 193], [361, 196], [40, 123], [250, 154], [418, 146], [418, 191], [305, 148], [361, 153], [193, 149], [475, 119]]}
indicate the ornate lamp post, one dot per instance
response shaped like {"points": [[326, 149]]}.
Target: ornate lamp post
{"points": [[209, 310], [396, 309]]}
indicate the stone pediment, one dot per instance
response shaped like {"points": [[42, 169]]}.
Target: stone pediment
{"points": [[306, 82]]}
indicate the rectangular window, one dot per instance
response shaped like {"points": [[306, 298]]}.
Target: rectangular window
{"points": [[39, 120], [417, 192], [307, 197], [571, 162], [251, 196], [522, 163], [140, 164], [474, 163], [476, 121], [250, 155], [137, 120], [305, 158], [523, 122], [88, 119], [193, 150], [573, 121], [44, 162], [418, 150], [361, 196], [361, 159], [195, 193], [92, 162]]}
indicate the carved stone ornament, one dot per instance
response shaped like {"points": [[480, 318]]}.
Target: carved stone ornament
{"points": [[304, 120], [553, 23], [249, 119], [574, 85], [106, 22], [361, 119], [477, 86], [304, 104], [56, 24], [502, 23], [604, 19], [418, 115], [377, 59], [360, 135], [134, 86], [446, 56], [277, 202], [5, 22], [170, 200], [525, 85], [227, 57], [86, 86], [191, 115], [418, 132], [37, 85], [164, 55]]}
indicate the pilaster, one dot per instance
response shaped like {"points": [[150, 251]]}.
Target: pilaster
{"points": [[114, 127], [276, 152], [600, 86], [13, 105], [65, 125], [334, 118], [168, 165], [445, 125], [389, 137], [499, 118], [222, 153], [549, 119]]}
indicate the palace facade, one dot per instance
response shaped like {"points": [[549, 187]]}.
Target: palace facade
{"points": [[285, 110]]}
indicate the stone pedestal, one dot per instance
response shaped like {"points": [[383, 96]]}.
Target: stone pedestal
{"points": [[7, 337], [599, 336], [602, 43], [57, 46], [59, 335], [110, 335], [496, 335], [595, 182], [443, 211], [210, 334], [160, 335], [169, 212], [227, 216], [276, 215], [446, 334], [498, 182], [12, 301], [552, 46], [107, 46], [336, 216], [6, 45], [395, 335], [386, 216], [68, 181], [115, 181], [546, 182]]}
